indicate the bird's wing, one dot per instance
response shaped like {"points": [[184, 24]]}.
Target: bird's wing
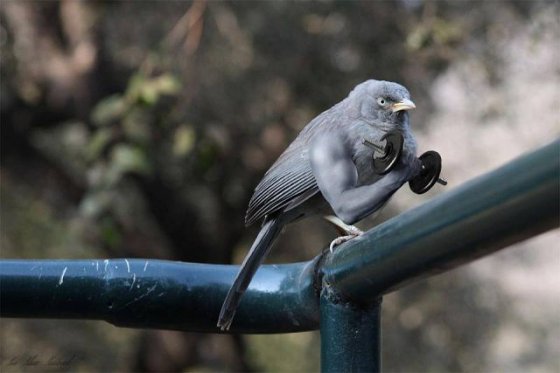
{"points": [[287, 184], [290, 181]]}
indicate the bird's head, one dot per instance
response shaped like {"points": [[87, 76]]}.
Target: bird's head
{"points": [[381, 103]]}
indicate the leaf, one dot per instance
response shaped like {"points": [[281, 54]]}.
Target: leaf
{"points": [[134, 89], [130, 159], [183, 141], [136, 126], [166, 84], [109, 110], [149, 90], [97, 144]]}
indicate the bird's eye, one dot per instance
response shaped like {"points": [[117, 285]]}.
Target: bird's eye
{"points": [[381, 101]]}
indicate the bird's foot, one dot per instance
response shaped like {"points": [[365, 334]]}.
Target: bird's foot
{"points": [[343, 228], [347, 231], [339, 240], [224, 325]]}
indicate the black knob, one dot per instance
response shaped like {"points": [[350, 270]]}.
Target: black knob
{"points": [[429, 174]]}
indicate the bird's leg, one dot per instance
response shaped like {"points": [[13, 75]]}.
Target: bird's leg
{"points": [[342, 227], [346, 231]]}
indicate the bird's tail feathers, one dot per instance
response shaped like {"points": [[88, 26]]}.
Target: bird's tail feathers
{"points": [[253, 260]]}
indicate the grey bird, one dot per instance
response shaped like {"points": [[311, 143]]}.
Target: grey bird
{"points": [[328, 170]]}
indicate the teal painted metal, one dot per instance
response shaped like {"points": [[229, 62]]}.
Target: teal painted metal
{"points": [[350, 336], [491, 212], [510, 204], [158, 294]]}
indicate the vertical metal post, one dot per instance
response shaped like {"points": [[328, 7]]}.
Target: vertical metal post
{"points": [[350, 336]]}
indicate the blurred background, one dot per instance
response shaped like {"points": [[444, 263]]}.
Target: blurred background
{"points": [[140, 128]]}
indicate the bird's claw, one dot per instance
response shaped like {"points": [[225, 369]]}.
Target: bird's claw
{"points": [[339, 240], [347, 231], [224, 325]]}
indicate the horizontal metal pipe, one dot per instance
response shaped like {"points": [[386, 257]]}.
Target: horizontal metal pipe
{"points": [[491, 212], [513, 203], [161, 294]]}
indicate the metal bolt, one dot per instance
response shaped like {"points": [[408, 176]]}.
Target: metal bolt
{"points": [[439, 180], [375, 145]]}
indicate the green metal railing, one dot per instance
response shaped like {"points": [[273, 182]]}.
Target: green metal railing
{"points": [[338, 292]]}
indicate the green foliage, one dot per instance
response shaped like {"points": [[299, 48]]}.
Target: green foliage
{"points": [[434, 34], [141, 91], [184, 140], [109, 110], [125, 132], [145, 90], [129, 159], [99, 140], [121, 145]]}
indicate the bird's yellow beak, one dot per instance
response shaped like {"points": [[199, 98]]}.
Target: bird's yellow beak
{"points": [[404, 104]]}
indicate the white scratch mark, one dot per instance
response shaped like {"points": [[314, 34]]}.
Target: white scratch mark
{"points": [[133, 281], [61, 280], [97, 265], [106, 261], [149, 290], [145, 266], [127, 265]]}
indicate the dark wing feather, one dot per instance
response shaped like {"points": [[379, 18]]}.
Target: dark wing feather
{"points": [[285, 181], [290, 181]]}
